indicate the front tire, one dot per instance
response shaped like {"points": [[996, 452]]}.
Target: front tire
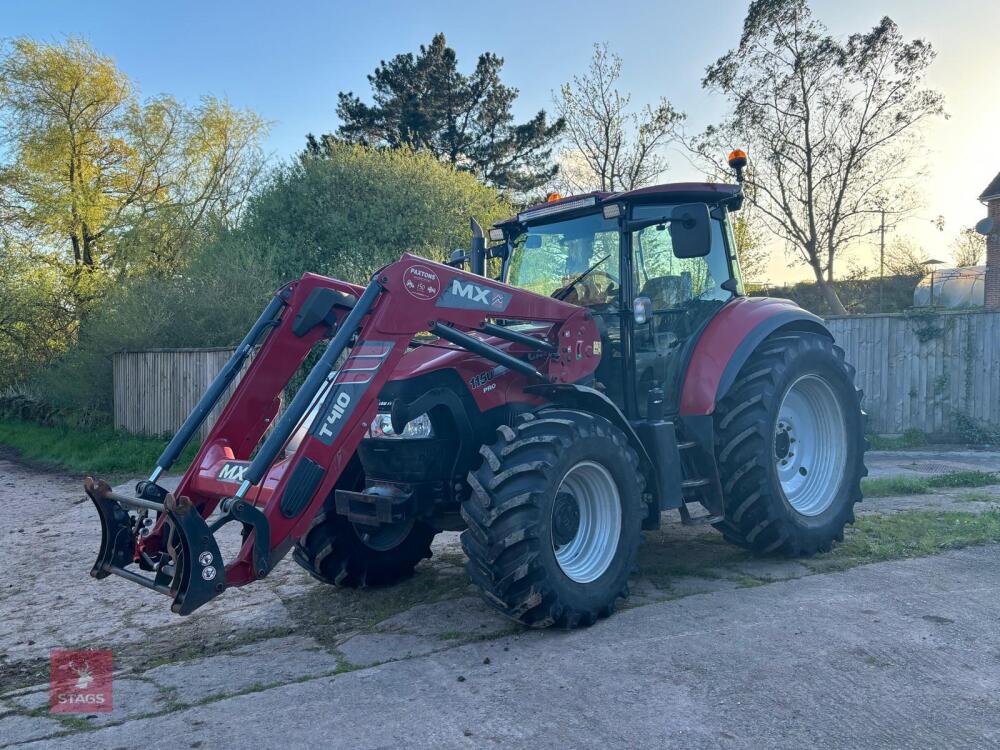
{"points": [[554, 519], [338, 552], [790, 447]]}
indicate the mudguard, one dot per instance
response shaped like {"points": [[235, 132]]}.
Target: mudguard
{"points": [[728, 341]]}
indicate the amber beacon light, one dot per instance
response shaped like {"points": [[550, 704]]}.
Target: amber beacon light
{"points": [[737, 161]]}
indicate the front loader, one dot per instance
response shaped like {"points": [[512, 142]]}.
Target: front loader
{"points": [[614, 370]]}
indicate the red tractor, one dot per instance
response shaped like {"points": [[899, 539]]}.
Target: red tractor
{"points": [[613, 370]]}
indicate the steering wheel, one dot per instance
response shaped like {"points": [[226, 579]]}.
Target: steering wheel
{"points": [[594, 289]]}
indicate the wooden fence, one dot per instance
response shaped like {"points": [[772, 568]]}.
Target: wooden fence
{"points": [[922, 370], [155, 390], [917, 371]]}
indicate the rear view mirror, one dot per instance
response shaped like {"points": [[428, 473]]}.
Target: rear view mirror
{"points": [[458, 259], [533, 242], [691, 230]]}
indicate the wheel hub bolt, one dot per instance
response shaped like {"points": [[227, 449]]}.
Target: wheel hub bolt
{"points": [[565, 519]]}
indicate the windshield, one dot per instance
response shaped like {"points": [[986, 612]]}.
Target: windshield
{"points": [[548, 258]]}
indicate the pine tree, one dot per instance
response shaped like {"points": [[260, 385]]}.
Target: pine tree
{"points": [[423, 102]]}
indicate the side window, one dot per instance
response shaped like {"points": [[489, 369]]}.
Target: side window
{"points": [[669, 281]]}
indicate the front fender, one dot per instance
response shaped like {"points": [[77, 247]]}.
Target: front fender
{"points": [[584, 398], [729, 340]]}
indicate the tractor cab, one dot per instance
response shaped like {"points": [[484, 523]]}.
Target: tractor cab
{"points": [[652, 265]]}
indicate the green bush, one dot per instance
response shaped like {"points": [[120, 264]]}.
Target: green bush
{"points": [[976, 432], [354, 210], [860, 296], [345, 215]]}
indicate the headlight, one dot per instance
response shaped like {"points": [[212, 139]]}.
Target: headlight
{"points": [[419, 427]]}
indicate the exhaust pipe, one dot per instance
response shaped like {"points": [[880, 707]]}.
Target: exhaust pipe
{"points": [[477, 253]]}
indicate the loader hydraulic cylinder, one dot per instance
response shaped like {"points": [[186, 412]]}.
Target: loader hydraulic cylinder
{"points": [[304, 398]]}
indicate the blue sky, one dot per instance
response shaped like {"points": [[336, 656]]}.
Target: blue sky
{"points": [[288, 60]]}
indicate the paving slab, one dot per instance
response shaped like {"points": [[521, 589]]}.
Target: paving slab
{"points": [[266, 662], [16, 728], [374, 648], [770, 569], [886, 655], [465, 615]]}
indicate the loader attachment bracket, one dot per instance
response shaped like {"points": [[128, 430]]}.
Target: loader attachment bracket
{"points": [[189, 568], [252, 519]]}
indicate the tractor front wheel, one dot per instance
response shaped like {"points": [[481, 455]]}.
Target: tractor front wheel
{"points": [[341, 553], [554, 519], [790, 447]]}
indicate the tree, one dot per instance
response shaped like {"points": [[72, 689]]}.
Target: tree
{"points": [[903, 257], [34, 316], [345, 215], [969, 248], [829, 124], [424, 103], [751, 250], [611, 147], [93, 170]]}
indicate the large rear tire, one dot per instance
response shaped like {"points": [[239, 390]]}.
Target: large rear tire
{"points": [[554, 519], [790, 447], [341, 553]]}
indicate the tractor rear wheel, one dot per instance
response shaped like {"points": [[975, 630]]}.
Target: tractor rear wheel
{"points": [[790, 447], [554, 519], [341, 553]]}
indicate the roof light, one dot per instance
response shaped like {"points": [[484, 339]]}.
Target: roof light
{"points": [[737, 162], [737, 158], [496, 234], [553, 197], [612, 210], [537, 213]]}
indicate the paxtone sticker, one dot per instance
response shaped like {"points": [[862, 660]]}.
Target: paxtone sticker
{"points": [[421, 282]]}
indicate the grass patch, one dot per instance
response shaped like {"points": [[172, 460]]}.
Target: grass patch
{"points": [[100, 451], [894, 486], [903, 535], [912, 438], [964, 479]]}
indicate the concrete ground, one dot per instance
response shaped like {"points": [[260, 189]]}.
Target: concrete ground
{"points": [[715, 648]]}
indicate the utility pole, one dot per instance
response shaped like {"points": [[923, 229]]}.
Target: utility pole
{"points": [[881, 267]]}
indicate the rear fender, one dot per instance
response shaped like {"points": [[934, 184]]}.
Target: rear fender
{"points": [[728, 341]]}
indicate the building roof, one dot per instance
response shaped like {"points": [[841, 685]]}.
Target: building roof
{"points": [[992, 190]]}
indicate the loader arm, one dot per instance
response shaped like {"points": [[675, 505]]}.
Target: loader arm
{"points": [[374, 326]]}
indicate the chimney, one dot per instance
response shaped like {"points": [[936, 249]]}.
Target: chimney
{"points": [[991, 197]]}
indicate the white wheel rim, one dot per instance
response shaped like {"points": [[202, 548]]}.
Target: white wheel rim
{"points": [[810, 445], [588, 554]]}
